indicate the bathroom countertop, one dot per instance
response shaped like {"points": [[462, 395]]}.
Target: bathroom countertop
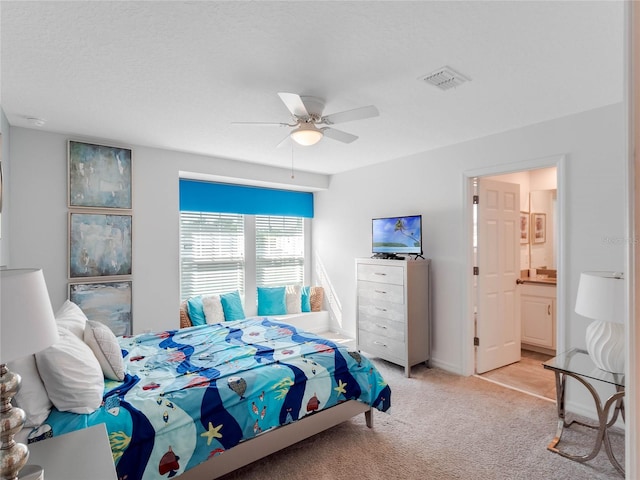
{"points": [[539, 281]]}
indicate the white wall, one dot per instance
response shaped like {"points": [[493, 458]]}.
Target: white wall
{"points": [[38, 216], [4, 217], [431, 183]]}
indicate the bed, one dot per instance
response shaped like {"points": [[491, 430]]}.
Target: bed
{"points": [[202, 401]]}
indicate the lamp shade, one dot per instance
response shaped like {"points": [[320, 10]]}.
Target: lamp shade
{"points": [[27, 321], [307, 134], [601, 296]]}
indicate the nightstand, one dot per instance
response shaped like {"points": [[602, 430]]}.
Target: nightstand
{"points": [[577, 363], [83, 454]]}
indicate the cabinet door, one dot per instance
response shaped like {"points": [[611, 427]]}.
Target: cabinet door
{"points": [[537, 321]]}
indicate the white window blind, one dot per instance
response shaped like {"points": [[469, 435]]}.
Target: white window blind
{"points": [[279, 250], [211, 253]]}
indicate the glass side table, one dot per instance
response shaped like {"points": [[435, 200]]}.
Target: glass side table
{"points": [[577, 364]]}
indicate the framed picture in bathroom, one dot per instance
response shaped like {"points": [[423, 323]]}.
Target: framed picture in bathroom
{"points": [[524, 227], [539, 227]]}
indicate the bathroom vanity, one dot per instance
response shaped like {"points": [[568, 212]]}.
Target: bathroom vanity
{"points": [[538, 314]]}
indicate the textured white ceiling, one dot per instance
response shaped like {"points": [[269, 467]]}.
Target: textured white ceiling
{"points": [[175, 75]]}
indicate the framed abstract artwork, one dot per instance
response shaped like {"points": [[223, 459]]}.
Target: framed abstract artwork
{"points": [[105, 302], [100, 244], [99, 176]]}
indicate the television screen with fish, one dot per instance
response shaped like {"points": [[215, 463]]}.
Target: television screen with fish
{"points": [[395, 235]]}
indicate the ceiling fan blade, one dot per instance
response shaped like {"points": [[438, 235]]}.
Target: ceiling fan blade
{"points": [[263, 124], [338, 135], [350, 115], [294, 103]]}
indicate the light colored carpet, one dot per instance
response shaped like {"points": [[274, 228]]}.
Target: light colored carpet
{"points": [[441, 426]]}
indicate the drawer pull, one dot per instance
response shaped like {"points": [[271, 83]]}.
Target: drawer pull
{"points": [[380, 343], [381, 326], [379, 273], [548, 309], [381, 309], [381, 291]]}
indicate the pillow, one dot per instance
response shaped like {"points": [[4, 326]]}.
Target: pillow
{"points": [[232, 306], [104, 345], [305, 299], [71, 374], [71, 317], [272, 301], [196, 310], [185, 321], [294, 299], [316, 294], [32, 396], [212, 307]]}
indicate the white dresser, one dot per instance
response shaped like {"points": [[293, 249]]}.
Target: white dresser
{"points": [[393, 310]]}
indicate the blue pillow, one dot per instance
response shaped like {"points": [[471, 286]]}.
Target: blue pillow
{"points": [[232, 306], [272, 301], [196, 310], [306, 299]]}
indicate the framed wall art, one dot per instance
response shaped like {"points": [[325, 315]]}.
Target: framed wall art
{"points": [[524, 227], [105, 302], [539, 227], [100, 244], [99, 176]]}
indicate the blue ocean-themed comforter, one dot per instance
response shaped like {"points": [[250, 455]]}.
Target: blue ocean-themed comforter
{"points": [[193, 393]]}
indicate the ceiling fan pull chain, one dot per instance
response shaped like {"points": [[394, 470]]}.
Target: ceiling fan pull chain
{"points": [[292, 175]]}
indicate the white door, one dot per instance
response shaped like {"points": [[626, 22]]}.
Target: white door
{"points": [[498, 302]]}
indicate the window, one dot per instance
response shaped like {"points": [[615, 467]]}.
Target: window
{"points": [[211, 253], [239, 237], [213, 246], [279, 250]]}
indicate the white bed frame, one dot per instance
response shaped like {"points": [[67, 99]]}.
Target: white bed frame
{"points": [[269, 442]]}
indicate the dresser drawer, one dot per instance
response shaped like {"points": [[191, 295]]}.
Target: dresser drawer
{"points": [[381, 273], [372, 307], [387, 329], [381, 292], [379, 345]]}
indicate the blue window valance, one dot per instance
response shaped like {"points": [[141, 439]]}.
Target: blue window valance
{"points": [[199, 196]]}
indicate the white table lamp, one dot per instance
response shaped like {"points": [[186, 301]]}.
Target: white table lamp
{"points": [[27, 326], [601, 298]]}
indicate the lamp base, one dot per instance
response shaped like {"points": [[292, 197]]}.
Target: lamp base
{"points": [[606, 345], [13, 455]]}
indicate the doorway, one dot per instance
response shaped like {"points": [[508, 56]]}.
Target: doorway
{"points": [[540, 275]]}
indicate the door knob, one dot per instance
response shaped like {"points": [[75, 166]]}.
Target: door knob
{"points": [[519, 282]]}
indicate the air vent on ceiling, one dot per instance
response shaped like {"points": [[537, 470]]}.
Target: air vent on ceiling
{"points": [[445, 78]]}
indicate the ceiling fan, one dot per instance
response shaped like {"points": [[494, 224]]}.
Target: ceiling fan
{"points": [[307, 116]]}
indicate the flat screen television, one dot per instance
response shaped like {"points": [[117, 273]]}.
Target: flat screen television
{"points": [[391, 236]]}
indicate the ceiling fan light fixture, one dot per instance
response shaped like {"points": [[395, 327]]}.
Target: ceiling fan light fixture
{"points": [[307, 134]]}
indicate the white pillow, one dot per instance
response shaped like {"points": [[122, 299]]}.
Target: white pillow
{"points": [[105, 347], [32, 396], [71, 374], [71, 317], [212, 306], [294, 299]]}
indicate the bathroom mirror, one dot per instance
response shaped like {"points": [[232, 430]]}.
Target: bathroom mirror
{"points": [[542, 211]]}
